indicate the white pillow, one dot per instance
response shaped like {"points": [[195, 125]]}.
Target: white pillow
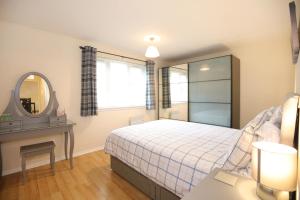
{"points": [[269, 132], [277, 116], [241, 154]]}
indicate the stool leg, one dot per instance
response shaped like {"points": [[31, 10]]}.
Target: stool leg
{"points": [[52, 161], [23, 168]]}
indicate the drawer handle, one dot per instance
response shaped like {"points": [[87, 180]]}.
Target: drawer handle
{"points": [[10, 123]]}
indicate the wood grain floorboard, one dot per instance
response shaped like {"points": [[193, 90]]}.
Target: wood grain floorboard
{"points": [[91, 178]]}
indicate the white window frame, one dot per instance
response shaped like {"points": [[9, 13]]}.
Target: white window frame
{"points": [[131, 63]]}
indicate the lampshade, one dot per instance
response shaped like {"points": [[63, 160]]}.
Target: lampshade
{"points": [[274, 165], [152, 52]]}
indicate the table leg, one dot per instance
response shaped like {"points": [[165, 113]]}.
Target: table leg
{"points": [[66, 145], [71, 146]]}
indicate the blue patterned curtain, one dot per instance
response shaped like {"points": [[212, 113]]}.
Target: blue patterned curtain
{"points": [[166, 95], [88, 82], [150, 85]]}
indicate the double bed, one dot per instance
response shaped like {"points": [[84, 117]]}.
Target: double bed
{"points": [[175, 155], [166, 158]]}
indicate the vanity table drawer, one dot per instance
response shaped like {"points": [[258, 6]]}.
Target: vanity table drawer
{"points": [[11, 124], [60, 119]]}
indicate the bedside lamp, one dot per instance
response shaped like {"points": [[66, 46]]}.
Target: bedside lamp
{"points": [[274, 167]]}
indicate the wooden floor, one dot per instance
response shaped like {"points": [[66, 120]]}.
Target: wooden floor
{"points": [[90, 179]]}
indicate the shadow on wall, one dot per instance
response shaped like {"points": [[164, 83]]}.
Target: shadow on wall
{"points": [[212, 49]]}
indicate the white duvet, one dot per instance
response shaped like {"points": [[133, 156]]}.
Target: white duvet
{"points": [[174, 154]]}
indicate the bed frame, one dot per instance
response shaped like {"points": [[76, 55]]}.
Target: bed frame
{"points": [[144, 184]]}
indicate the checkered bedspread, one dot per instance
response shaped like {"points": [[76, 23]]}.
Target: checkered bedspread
{"points": [[174, 154]]}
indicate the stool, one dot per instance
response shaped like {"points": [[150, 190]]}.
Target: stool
{"points": [[37, 149]]}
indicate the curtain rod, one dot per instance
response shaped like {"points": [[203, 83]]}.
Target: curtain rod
{"points": [[112, 54]]}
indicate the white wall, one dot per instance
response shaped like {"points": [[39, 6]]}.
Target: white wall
{"points": [[267, 73], [297, 65], [24, 49], [297, 90]]}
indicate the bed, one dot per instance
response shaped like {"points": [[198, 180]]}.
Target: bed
{"points": [[166, 158], [173, 154]]}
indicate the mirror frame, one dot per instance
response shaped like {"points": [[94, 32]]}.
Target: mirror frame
{"points": [[17, 95]]}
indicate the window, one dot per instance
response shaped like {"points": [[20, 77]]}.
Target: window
{"points": [[120, 84], [178, 86]]}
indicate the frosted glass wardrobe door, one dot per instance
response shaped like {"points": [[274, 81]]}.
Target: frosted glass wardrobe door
{"points": [[212, 69], [211, 113], [210, 91]]}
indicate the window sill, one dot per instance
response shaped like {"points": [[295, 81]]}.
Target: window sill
{"points": [[121, 108]]}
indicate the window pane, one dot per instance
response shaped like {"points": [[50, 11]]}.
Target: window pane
{"points": [[178, 87], [120, 84]]}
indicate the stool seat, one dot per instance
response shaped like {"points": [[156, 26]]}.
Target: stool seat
{"points": [[36, 149]]}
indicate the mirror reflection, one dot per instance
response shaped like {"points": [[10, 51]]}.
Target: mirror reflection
{"points": [[34, 94], [173, 92]]}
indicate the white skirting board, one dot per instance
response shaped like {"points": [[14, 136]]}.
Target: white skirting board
{"points": [[46, 161]]}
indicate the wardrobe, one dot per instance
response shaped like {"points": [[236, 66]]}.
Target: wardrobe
{"points": [[203, 91]]}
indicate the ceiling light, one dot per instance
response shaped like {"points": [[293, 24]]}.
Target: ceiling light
{"points": [[152, 51], [152, 38]]}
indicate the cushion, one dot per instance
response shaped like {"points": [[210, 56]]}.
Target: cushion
{"points": [[241, 154], [277, 116], [269, 132]]}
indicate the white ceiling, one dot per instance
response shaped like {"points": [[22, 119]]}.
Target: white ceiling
{"points": [[185, 26]]}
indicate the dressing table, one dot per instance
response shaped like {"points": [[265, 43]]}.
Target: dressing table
{"points": [[21, 121]]}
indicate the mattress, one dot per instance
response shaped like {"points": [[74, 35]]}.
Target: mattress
{"points": [[174, 154]]}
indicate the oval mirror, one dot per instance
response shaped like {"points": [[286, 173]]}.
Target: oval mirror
{"points": [[34, 94]]}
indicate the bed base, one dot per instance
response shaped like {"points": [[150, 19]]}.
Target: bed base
{"points": [[144, 184]]}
